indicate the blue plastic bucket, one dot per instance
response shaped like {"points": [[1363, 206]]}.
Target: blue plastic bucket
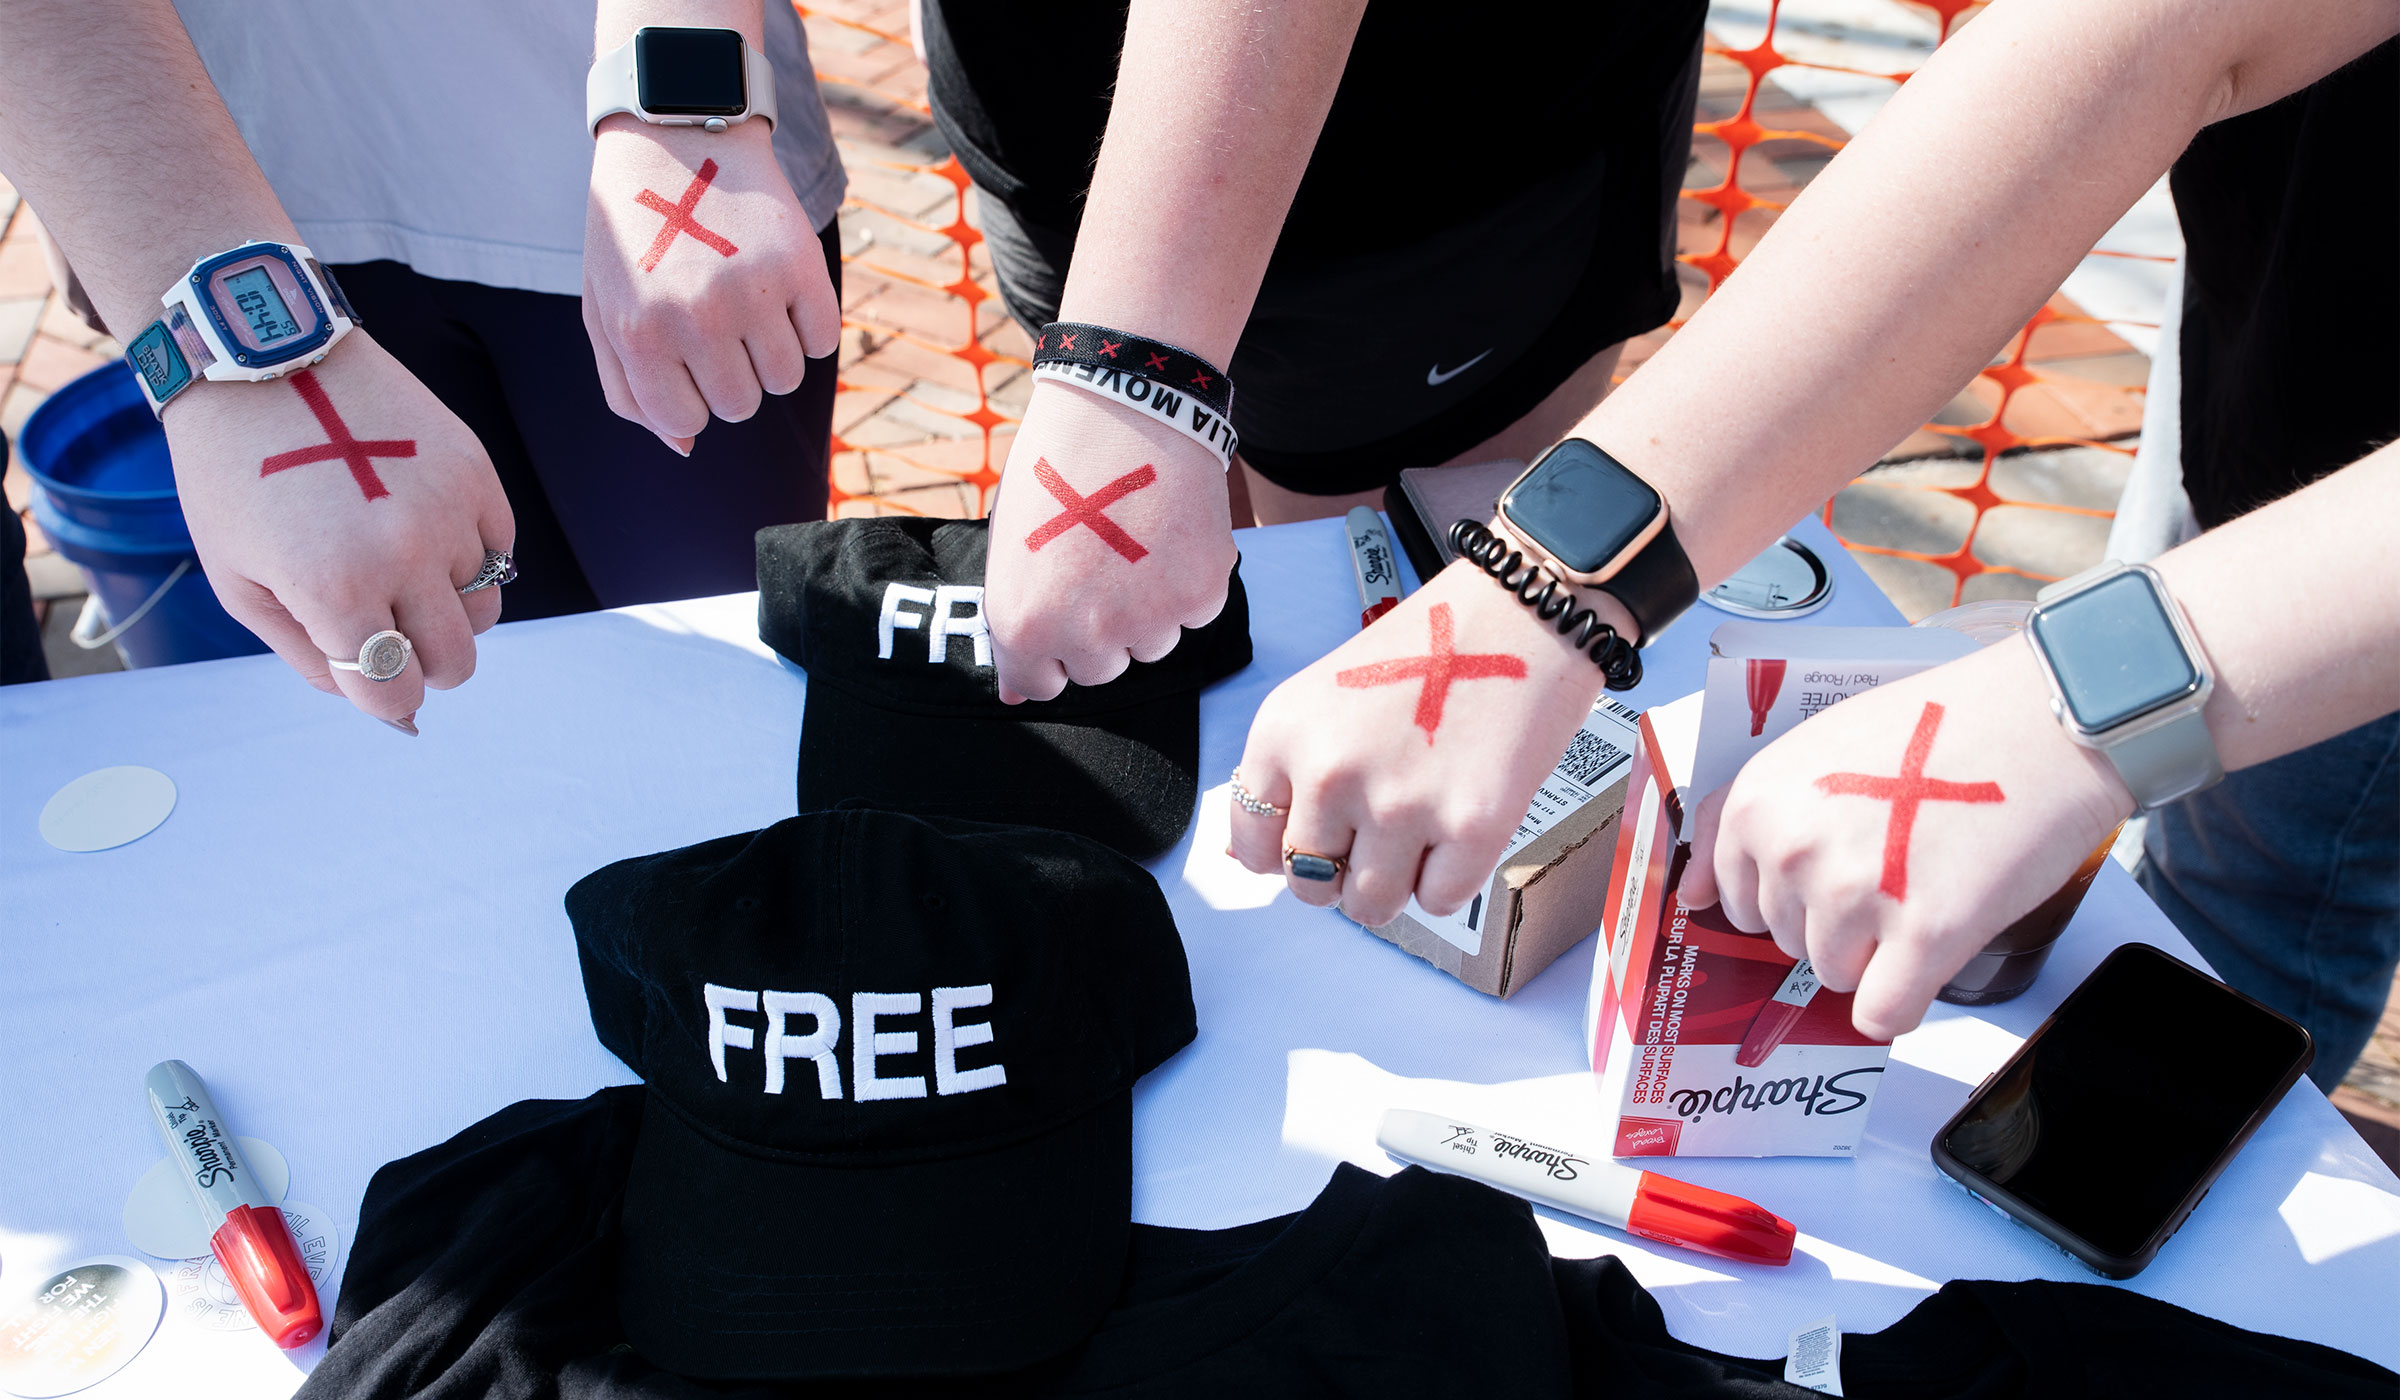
{"points": [[105, 495]]}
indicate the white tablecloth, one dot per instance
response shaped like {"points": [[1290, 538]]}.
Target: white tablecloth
{"points": [[358, 940]]}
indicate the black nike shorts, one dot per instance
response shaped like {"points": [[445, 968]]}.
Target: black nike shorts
{"points": [[1353, 369]]}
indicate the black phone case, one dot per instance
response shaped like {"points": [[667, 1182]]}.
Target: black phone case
{"points": [[1415, 533], [2100, 1261]]}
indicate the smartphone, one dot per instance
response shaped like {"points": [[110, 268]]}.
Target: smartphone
{"points": [[2107, 1127]]}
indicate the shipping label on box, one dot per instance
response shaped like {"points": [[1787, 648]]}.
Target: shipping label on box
{"points": [[1707, 1041], [1550, 887]]}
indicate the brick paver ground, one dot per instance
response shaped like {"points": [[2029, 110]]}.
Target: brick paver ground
{"points": [[933, 375]]}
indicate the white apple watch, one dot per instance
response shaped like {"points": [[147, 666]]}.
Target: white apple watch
{"points": [[255, 312], [2128, 678], [708, 78]]}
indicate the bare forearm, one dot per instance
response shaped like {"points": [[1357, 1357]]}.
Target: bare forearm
{"points": [[1928, 242], [2295, 605], [1218, 106], [112, 129]]}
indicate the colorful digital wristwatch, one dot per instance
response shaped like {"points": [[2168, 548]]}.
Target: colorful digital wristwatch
{"points": [[255, 312]]}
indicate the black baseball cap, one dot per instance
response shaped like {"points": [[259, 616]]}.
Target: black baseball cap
{"points": [[943, 1190], [904, 712]]}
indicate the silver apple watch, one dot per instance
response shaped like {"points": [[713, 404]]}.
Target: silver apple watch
{"points": [[2128, 678], [708, 78]]}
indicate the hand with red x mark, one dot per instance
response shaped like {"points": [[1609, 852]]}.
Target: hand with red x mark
{"points": [[338, 502], [1890, 837], [1411, 751], [704, 286], [1111, 535]]}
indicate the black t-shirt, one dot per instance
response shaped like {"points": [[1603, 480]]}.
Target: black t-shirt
{"points": [[487, 1267], [1022, 90], [2291, 300]]}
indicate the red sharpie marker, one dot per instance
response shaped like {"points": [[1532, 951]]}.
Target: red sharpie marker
{"points": [[1775, 1020], [1762, 679], [1371, 561], [246, 1231], [1638, 1202]]}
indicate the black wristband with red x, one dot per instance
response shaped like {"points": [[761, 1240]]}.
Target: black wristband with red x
{"points": [[1069, 343]]}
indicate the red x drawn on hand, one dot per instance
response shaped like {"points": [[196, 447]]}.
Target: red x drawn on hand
{"points": [[344, 447], [1158, 362], [1439, 668], [1110, 347], [680, 220], [1086, 510], [1905, 793]]}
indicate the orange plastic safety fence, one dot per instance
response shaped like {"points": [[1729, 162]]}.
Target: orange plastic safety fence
{"points": [[897, 85]]}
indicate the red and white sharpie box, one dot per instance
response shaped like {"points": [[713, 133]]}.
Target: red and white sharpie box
{"points": [[1707, 1041]]}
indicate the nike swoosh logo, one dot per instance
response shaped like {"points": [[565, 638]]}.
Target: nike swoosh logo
{"points": [[1437, 376]]}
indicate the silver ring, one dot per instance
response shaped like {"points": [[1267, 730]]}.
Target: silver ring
{"points": [[380, 657], [498, 569], [1252, 805]]}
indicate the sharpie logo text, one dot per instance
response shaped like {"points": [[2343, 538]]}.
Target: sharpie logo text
{"points": [[1560, 1166], [1820, 1097], [211, 1162]]}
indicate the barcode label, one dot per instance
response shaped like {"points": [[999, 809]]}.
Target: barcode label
{"points": [[1601, 749], [1588, 756]]}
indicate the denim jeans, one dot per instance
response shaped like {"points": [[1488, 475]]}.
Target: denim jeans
{"points": [[2286, 877]]}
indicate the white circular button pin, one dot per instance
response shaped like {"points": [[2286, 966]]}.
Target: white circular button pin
{"points": [[107, 808]]}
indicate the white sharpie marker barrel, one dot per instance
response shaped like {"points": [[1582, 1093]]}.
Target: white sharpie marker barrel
{"points": [[1373, 564], [1638, 1202], [246, 1231]]}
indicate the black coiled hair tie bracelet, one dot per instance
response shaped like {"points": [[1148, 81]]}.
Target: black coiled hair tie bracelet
{"points": [[1619, 663]]}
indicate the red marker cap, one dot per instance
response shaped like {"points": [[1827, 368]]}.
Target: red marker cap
{"points": [[1679, 1213], [1762, 679], [258, 1255]]}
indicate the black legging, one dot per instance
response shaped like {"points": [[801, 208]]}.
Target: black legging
{"points": [[606, 514]]}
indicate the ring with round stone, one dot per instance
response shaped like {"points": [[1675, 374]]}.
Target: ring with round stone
{"points": [[380, 657], [498, 569], [1255, 806]]}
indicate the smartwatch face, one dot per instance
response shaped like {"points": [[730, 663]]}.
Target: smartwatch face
{"points": [[1582, 505], [259, 304], [690, 72], [2115, 652]]}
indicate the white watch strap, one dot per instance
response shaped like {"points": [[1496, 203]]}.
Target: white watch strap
{"points": [[762, 83], [2172, 761], [612, 86]]}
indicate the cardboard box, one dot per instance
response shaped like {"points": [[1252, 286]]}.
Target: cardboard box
{"points": [[1552, 884], [1706, 1041]]}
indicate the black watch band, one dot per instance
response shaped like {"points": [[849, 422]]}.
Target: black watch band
{"points": [[1656, 585]]}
